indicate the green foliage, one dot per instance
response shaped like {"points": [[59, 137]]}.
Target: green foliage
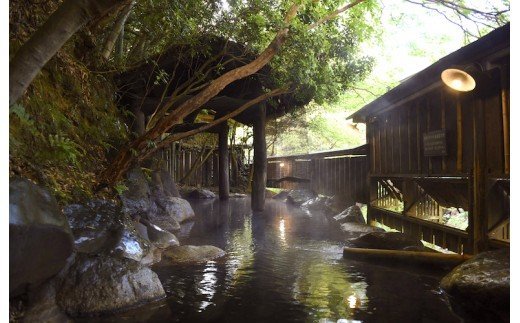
{"points": [[120, 188], [64, 129]]}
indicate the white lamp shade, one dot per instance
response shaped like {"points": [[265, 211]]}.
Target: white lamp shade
{"points": [[458, 80]]}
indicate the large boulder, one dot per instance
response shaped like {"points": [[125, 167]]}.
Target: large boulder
{"points": [[351, 214], [298, 197], [190, 254], [136, 199], [282, 196], [479, 288], [158, 237], [156, 204], [41, 304], [40, 240], [387, 240], [176, 208], [319, 204], [93, 224], [100, 226], [103, 284], [352, 230], [164, 222], [200, 193], [163, 184]]}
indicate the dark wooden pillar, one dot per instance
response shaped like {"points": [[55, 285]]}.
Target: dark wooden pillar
{"points": [[479, 216], [259, 161], [223, 162]]}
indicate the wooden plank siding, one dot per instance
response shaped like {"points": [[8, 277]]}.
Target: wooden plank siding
{"points": [[179, 159], [395, 139], [342, 173]]}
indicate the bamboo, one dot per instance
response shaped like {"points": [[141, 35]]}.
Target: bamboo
{"points": [[402, 256]]}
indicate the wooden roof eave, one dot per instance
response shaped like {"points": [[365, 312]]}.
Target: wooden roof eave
{"points": [[486, 47]]}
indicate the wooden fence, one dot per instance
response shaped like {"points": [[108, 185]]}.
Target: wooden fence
{"points": [[197, 166], [340, 173]]}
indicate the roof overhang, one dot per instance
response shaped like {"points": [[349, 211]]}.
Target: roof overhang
{"points": [[492, 47]]}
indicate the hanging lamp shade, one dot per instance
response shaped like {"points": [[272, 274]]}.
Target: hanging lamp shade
{"points": [[458, 80]]}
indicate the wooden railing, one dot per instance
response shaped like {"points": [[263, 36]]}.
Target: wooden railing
{"points": [[341, 172], [196, 166]]}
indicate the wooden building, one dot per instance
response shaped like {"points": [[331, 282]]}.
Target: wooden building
{"points": [[142, 92], [436, 154]]}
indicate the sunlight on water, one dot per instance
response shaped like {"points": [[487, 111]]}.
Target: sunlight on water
{"points": [[208, 283], [284, 265], [282, 232]]}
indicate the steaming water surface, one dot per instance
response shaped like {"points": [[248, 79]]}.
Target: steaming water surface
{"points": [[284, 265]]}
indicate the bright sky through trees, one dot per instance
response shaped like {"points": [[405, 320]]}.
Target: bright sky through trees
{"points": [[411, 38]]}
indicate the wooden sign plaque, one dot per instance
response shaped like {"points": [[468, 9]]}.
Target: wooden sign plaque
{"points": [[435, 143]]}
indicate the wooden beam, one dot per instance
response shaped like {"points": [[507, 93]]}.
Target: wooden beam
{"points": [[223, 162], [259, 160], [480, 225], [402, 256]]}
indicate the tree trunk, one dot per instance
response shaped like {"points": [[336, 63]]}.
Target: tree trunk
{"points": [[259, 161], [49, 38], [223, 163], [124, 159], [117, 32]]}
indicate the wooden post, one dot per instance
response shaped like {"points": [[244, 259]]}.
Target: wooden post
{"points": [[259, 161], [223, 162], [480, 225]]}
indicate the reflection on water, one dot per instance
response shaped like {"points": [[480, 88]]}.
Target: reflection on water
{"points": [[284, 265], [206, 286]]}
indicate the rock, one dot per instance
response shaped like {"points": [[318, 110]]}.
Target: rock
{"points": [[129, 245], [141, 230], [281, 196], [166, 223], [269, 194], [351, 214], [298, 197], [386, 240], [318, 204], [40, 239], [160, 238], [353, 230], [136, 200], [479, 288], [238, 195], [163, 184], [100, 226], [42, 306], [102, 284], [153, 256], [200, 193], [176, 208], [93, 224], [191, 254]]}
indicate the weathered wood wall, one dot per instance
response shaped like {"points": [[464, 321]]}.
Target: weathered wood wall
{"points": [[342, 173], [179, 159], [474, 121]]}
